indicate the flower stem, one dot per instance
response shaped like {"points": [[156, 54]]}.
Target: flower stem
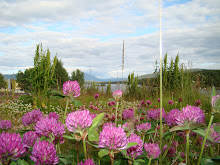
{"points": [[187, 146], [111, 155], [204, 141], [121, 111], [112, 161], [130, 162], [149, 161], [169, 144], [84, 147], [211, 151], [116, 112], [161, 86], [77, 154], [58, 148], [174, 161], [143, 138], [166, 151], [73, 159], [218, 150], [64, 116], [156, 134]]}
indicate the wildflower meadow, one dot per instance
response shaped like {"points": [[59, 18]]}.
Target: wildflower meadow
{"points": [[112, 131]]}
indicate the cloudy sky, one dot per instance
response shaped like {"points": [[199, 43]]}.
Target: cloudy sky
{"points": [[89, 34]]}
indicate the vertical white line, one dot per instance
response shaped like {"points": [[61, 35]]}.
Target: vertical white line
{"points": [[161, 125], [123, 66]]}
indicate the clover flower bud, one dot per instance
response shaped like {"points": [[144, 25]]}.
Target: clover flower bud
{"points": [[71, 88]]}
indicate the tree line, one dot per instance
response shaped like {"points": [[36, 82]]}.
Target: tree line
{"points": [[46, 74], [176, 78], [50, 75]]}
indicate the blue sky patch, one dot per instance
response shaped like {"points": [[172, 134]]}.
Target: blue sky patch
{"points": [[169, 3], [9, 30]]}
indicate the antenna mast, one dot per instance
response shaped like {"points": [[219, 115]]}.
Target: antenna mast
{"points": [[123, 62]]}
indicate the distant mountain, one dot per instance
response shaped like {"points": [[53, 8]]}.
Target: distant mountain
{"points": [[10, 76], [196, 70], [113, 79], [187, 70], [148, 76], [88, 77]]}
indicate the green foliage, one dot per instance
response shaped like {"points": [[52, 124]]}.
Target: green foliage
{"points": [[171, 74], [103, 152], [96, 121], [3, 83], [92, 133], [217, 105], [210, 161], [68, 137], [207, 78], [108, 90], [24, 79], [202, 133], [56, 94], [131, 144], [26, 99], [13, 87], [76, 102], [133, 89], [42, 75], [185, 126], [43, 72], [19, 162], [65, 159], [78, 76], [213, 93], [60, 74], [91, 88], [132, 83]]}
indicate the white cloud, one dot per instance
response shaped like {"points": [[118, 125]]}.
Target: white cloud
{"points": [[89, 36]]}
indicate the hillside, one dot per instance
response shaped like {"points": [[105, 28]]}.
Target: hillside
{"points": [[88, 77], [148, 76], [10, 76], [188, 70], [205, 77]]}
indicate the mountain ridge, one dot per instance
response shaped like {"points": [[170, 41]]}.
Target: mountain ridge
{"points": [[88, 77]]}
